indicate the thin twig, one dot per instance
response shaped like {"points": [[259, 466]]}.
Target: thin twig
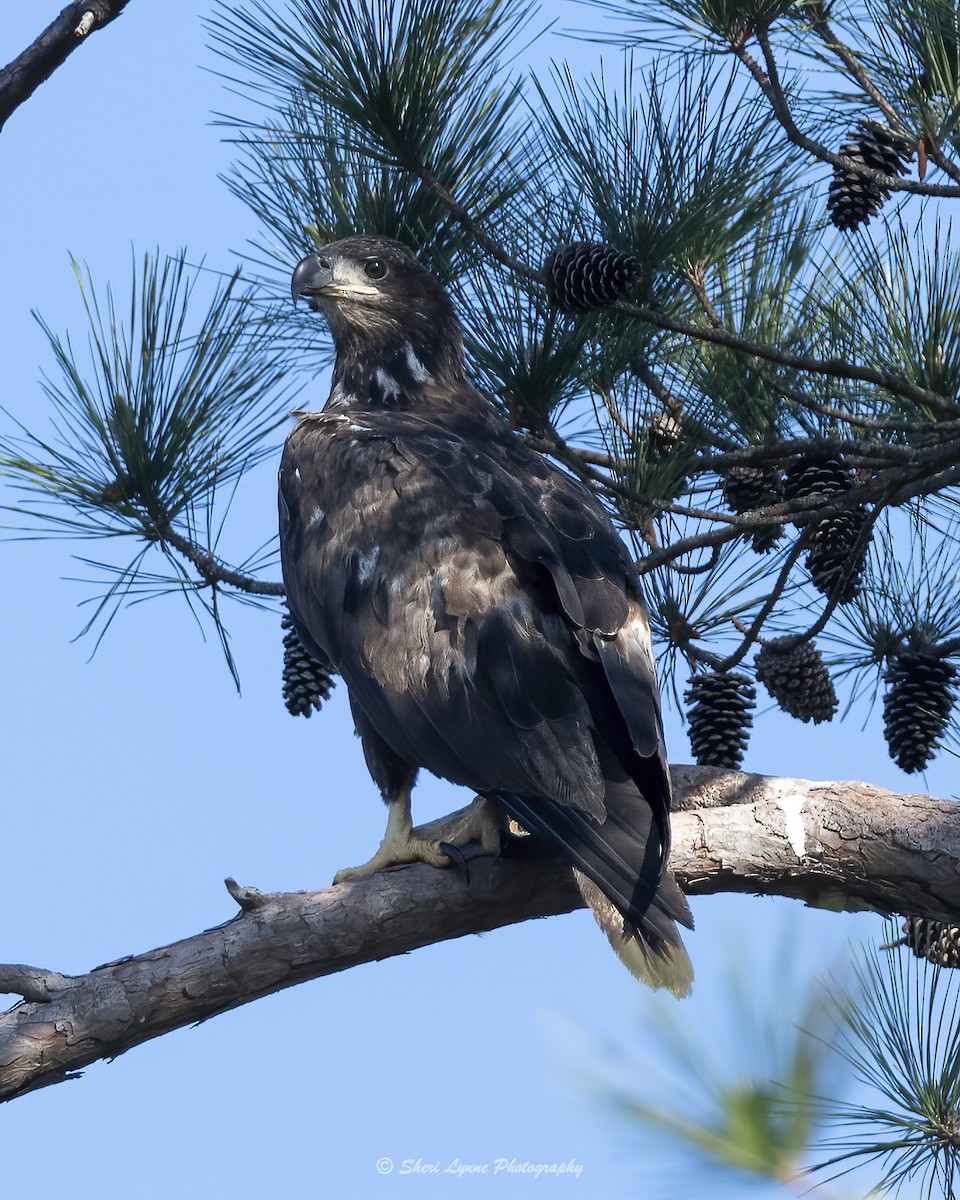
{"points": [[213, 570], [675, 407], [857, 72], [701, 569], [834, 599], [593, 457], [464, 219], [753, 633], [836, 367], [696, 278], [919, 484], [769, 83], [870, 453]]}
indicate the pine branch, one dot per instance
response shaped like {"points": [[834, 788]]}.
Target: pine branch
{"points": [[752, 634], [466, 222], [695, 276], [836, 368], [895, 491], [719, 335], [858, 72], [20, 78], [768, 81], [212, 569], [854, 67], [831, 844]]}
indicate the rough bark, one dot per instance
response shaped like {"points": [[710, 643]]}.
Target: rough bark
{"points": [[836, 845], [21, 78]]}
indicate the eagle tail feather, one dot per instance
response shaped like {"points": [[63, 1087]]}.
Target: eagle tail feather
{"points": [[659, 962], [618, 868]]}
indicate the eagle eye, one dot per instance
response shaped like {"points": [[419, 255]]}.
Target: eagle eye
{"points": [[375, 268]]}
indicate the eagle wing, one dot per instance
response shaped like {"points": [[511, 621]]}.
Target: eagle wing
{"points": [[486, 619]]}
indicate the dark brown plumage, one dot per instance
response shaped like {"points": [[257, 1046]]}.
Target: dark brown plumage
{"points": [[478, 603]]}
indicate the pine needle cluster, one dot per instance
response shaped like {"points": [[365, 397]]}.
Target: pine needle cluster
{"points": [[899, 1032]]}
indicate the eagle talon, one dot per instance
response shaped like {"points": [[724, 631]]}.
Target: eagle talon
{"points": [[458, 858], [400, 845], [484, 823]]}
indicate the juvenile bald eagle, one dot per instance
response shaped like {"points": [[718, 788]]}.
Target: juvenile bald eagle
{"points": [[478, 603]]}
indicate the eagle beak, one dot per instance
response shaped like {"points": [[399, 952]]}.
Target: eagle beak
{"points": [[316, 278], [312, 275]]}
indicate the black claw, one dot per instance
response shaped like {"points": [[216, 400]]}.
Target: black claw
{"points": [[504, 839], [459, 858]]}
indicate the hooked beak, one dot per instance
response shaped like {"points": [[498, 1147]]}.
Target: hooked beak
{"points": [[311, 276], [315, 277]]}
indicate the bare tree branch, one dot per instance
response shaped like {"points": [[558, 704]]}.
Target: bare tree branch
{"points": [[21, 78], [835, 845], [212, 570]]}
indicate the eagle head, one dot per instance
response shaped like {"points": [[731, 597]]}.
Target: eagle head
{"points": [[381, 304]]}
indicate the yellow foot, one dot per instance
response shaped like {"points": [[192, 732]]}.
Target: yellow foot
{"points": [[394, 851], [482, 822], [400, 845]]}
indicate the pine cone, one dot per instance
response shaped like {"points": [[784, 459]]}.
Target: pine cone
{"points": [[587, 275], [797, 679], [746, 488], [838, 553], [720, 715], [810, 474], [853, 199], [838, 549], [306, 684], [921, 693], [936, 941]]}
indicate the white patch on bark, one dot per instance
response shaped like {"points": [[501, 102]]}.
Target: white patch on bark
{"points": [[788, 795]]}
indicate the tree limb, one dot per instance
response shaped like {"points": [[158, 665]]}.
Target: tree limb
{"points": [[858, 72], [21, 78], [833, 845], [769, 83], [834, 367], [211, 569]]}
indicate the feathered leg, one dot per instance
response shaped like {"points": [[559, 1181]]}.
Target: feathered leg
{"points": [[482, 823]]}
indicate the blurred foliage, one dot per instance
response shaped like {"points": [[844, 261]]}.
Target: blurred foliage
{"points": [[900, 1036], [797, 1084], [723, 1094]]}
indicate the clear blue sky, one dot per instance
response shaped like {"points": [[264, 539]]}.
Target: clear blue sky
{"points": [[136, 780]]}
